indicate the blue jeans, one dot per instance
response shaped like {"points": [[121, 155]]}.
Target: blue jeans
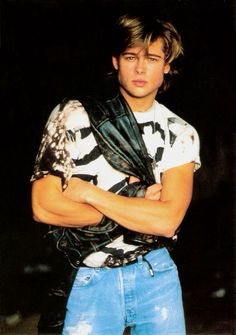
{"points": [[104, 301]]}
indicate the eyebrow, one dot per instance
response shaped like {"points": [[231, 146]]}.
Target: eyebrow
{"points": [[154, 55], [135, 54]]}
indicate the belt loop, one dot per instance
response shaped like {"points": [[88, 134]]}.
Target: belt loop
{"points": [[149, 267], [140, 259]]}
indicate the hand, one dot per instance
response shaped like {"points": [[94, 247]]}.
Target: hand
{"points": [[133, 179], [153, 192], [76, 188]]}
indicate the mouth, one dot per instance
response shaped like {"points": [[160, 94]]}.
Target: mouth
{"points": [[139, 83]]}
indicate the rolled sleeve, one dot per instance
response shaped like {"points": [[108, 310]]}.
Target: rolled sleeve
{"points": [[185, 149]]}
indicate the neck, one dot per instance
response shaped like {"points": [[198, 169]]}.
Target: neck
{"points": [[138, 104]]}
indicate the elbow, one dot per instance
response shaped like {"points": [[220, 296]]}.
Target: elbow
{"points": [[36, 207], [36, 218], [169, 232], [37, 214], [171, 226]]}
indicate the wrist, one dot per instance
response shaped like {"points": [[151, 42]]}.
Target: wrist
{"points": [[90, 194]]}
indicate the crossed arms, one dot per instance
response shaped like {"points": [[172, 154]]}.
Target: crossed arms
{"points": [[160, 212]]}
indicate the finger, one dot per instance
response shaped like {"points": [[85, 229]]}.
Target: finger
{"points": [[133, 179], [153, 194]]}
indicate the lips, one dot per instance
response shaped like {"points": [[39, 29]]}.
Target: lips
{"points": [[139, 83]]}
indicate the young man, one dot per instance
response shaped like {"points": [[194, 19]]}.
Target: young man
{"points": [[116, 177]]}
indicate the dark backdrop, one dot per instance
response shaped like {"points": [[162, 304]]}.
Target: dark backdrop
{"points": [[55, 49]]}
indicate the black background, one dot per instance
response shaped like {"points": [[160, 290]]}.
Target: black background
{"points": [[56, 49]]}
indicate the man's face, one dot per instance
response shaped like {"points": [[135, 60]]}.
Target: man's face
{"points": [[141, 71]]}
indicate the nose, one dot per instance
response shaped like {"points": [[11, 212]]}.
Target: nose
{"points": [[140, 65]]}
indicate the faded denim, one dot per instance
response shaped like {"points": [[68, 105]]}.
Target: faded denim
{"points": [[105, 301]]}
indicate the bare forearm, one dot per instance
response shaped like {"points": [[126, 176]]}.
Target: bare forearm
{"points": [[138, 214], [158, 217], [51, 206], [70, 215]]}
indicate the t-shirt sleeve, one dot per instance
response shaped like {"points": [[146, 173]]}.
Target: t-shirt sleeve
{"points": [[184, 149], [53, 155]]}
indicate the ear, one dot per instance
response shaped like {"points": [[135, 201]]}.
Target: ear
{"points": [[167, 68], [115, 62]]}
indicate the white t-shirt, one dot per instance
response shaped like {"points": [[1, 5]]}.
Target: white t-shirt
{"points": [[68, 148]]}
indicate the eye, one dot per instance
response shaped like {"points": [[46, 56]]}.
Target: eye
{"points": [[130, 58], [153, 59]]}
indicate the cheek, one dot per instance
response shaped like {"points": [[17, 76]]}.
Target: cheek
{"points": [[124, 74], [157, 77]]}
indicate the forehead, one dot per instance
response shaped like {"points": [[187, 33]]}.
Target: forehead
{"points": [[155, 48]]}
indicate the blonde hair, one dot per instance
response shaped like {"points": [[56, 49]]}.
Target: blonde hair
{"points": [[133, 31]]}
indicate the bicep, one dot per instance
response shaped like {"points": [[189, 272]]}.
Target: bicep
{"points": [[177, 186], [51, 206], [46, 195]]}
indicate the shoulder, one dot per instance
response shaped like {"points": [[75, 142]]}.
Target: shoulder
{"points": [[71, 114], [183, 145], [176, 124]]}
